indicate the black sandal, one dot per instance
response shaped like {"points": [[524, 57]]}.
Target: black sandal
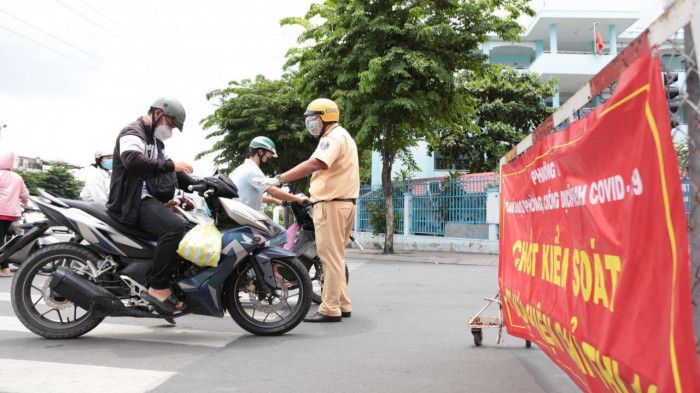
{"points": [[165, 307]]}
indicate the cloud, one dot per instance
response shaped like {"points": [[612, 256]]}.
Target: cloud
{"points": [[79, 71]]}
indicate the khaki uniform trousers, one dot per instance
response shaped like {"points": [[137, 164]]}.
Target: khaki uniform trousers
{"points": [[333, 221]]}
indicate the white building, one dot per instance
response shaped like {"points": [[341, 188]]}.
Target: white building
{"points": [[557, 43]]}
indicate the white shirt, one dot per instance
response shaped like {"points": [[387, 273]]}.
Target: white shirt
{"points": [[134, 143], [249, 192], [96, 186]]}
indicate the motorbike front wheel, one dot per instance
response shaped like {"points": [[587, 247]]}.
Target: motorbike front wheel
{"points": [[265, 313]]}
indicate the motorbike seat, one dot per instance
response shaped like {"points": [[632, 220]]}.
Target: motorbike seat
{"points": [[100, 211]]}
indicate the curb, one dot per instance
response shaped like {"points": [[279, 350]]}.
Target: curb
{"points": [[423, 257]]}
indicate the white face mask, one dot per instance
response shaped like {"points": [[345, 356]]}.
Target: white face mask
{"points": [[163, 132], [314, 125]]}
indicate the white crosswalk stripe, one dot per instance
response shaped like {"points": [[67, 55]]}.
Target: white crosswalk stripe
{"points": [[27, 376], [160, 333], [6, 297]]}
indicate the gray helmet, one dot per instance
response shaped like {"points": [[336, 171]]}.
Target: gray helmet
{"points": [[171, 107]]}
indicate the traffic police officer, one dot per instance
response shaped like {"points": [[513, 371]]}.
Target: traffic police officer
{"points": [[335, 187]]}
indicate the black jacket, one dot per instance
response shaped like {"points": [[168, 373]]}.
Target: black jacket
{"points": [[131, 167]]}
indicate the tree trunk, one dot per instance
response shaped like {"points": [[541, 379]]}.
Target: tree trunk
{"points": [[388, 187], [693, 89]]}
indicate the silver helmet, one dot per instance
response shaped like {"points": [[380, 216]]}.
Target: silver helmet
{"points": [[171, 107]]}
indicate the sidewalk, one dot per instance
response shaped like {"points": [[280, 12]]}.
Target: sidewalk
{"points": [[450, 258]]}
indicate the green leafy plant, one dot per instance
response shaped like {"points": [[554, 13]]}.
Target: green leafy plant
{"points": [[58, 180], [682, 152], [506, 105], [376, 210]]}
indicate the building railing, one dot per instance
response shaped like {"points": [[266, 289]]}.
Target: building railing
{"points": [[425, 207], [685, 184], [606, 51]]}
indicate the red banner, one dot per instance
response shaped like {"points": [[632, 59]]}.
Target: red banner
{"points": [[594, 255]]}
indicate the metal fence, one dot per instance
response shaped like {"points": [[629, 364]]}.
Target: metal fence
{"points": [[424, 207], [686, 193]]}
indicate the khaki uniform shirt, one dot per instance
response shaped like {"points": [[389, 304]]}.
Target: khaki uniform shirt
{"points": [[341, 180]]}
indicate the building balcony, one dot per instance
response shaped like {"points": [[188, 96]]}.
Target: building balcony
{"points": [[572, 69]]}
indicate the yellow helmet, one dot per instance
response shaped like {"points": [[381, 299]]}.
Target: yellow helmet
{"points": [[327, 109]]}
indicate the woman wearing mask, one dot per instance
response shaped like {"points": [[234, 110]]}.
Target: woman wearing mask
{"points": [[12, 192], [97, 184]]}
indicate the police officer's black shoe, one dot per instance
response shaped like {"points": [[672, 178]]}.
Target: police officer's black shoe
{"points": [[318, 317], [346, 314]]}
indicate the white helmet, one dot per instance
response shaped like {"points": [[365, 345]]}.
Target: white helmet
{"points": [[101, 153]]}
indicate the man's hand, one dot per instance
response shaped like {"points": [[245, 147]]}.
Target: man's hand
{"points": [[183, 167], [303, 200], [268, 181]]}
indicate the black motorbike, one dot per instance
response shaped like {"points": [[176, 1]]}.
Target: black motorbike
{"points": [[64, 290], [305, 247]]}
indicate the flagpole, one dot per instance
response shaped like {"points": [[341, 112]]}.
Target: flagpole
{"points": [[595, 44]]}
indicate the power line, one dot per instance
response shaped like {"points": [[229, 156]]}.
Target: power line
{"points": [[96, 69], [52, 36], [119, 25], [141, 23], [136, 38], [81, 15], [51, 49]]}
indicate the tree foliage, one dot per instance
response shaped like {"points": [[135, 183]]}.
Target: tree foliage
{"points": [[58, 180], [272, 108], [391, 66], [249, 108], [507, 104]]}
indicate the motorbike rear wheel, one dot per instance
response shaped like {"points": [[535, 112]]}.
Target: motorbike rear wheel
{"points": [[37, 307], [278, 312]]}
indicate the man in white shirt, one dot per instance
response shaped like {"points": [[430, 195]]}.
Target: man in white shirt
{"points": [[250, 192]]}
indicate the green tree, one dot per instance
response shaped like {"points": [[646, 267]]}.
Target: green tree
{"points": [[31, 179], [391, 66], [248, 108], [58, 180], [273, 108], [507, 105]]}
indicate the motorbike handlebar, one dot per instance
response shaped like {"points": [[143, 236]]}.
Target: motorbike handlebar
{"points": [[202, 187]]}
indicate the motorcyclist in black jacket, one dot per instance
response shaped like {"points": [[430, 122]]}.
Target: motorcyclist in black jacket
{"points": [[139, 156]]}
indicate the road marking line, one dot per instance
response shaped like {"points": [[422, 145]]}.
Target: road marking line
{"points": [[354, 265], [27, 376], [6, 297], [158, 334]]}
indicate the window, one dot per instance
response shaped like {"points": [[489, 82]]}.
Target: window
{"points": [[441, 163]]}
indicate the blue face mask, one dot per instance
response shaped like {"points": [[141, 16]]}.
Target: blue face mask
{"points": [[107, 164]]}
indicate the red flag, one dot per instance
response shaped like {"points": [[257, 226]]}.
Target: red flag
{"points": [[598, 43]]}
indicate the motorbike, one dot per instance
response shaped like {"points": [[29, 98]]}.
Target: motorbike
{"points": [[305, 247], [30, 216], [107, 273]]}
